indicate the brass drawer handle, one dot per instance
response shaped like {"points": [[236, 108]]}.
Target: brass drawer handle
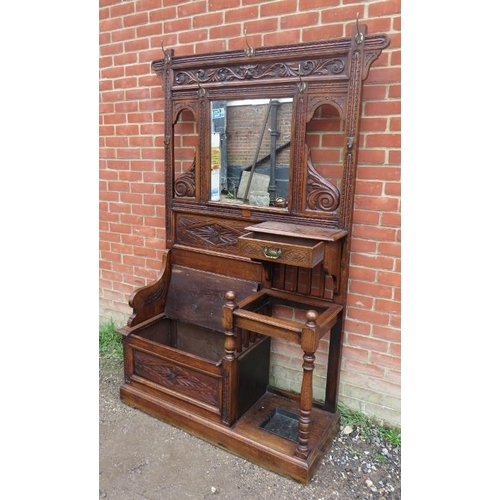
{"points": [[273, 253]]}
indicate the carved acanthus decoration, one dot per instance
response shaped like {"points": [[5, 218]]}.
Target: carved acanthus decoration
{"points": [[321, 67], [185, 185], [321, 194]]}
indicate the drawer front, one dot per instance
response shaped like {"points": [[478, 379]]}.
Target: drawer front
{"points": [[305, 253]]}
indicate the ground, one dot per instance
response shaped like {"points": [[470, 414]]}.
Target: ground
{"points": [[142, 458]]}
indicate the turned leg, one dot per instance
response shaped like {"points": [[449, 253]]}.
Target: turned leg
{"points": [[229, 364], [306, 392], [306, 399]]}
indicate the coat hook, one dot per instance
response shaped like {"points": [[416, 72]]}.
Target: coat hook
{"points": [[167, 56], [201, 90], [302, 85], [249, 51], [359, 36]]}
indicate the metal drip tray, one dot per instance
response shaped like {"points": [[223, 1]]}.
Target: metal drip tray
{"points": [[283, 423]]}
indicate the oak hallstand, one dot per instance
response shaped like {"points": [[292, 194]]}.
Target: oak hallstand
{"points": [[260, 167]]}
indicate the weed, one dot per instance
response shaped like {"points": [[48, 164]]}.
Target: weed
{"points": [[110, 342], [367, 426], [379, 457]]}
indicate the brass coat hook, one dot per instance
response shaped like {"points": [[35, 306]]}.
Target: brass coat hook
{"points": [[249, 51], [359, 36], [165, 53], [301, 85], [201, 90]]}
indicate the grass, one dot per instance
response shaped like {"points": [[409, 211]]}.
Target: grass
{"points": [[368, 427], [110, 342]]}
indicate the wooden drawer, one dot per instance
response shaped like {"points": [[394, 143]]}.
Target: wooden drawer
{"points": [[301, 252]]}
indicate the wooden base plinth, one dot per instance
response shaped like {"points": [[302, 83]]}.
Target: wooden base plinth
{"points": [[247, 439]]}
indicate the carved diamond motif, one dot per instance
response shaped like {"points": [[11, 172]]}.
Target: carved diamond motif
{"points": [[215, 234]]}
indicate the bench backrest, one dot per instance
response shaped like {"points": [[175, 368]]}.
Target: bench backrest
{"points": [[197, 296]]}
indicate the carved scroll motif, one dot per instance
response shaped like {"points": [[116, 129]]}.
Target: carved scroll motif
{"points": [[322, 67], [320, 194], [185, 185]]}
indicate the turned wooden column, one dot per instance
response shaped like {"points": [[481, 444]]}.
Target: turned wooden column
{"points": [[309, 343], [229, 365]]}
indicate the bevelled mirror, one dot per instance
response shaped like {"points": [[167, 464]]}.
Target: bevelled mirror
{"points": [[250, 151]]}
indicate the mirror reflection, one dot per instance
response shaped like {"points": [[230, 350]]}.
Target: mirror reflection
{"points": [[250, 151]]}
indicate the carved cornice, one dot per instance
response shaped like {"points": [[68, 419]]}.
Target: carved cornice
{"points": [[264, 70]]}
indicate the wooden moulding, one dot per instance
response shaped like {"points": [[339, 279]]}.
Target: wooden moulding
{"points": [[246, 439]]}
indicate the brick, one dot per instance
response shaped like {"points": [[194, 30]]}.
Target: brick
{"points": [[365, 217], [193, 36], [369, 188], [369, 343], [374, 233], [386, 333], [382, 108], [380, 25], [364, 246], [225, 31], [192, 8], [282, 38], [366, 368], [371, 156], [392, 189], [360, 301], [382, 360], [389, 278], [363, 274], [373, 124], [139, 69], [125, 59], [391, 220], [215, 19], [380, 173], [373, 261], [390, 306], [261, 26], [299, 20], [340, 15], [383, 140], [372, 289], [223, 4], [122, 35], [241, 15], [393, 249], [322, 32]]}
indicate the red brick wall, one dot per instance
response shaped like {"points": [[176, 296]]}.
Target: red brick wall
{"points": [[131, 162]]}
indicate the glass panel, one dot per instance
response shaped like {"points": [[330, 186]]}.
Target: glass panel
{"points": [[250, 157]]}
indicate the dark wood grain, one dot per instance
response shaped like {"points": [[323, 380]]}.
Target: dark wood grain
{"points": [[235, 276]]}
